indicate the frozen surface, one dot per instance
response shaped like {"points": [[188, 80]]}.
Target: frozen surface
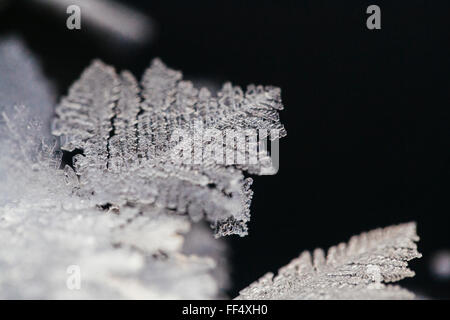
{"points": [[45, 228]]}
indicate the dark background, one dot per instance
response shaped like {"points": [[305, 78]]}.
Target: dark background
{"points": [[367, 112]]}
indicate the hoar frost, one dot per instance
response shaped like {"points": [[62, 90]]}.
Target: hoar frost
{"points": [[125, 215], [125, 132], [358, 269]]}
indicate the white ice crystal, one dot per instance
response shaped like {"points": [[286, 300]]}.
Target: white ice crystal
{"points": [[125, 133], [356, 270]]}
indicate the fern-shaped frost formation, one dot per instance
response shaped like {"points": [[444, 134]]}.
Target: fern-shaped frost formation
{"points": [[356, 270], [126, 134]]}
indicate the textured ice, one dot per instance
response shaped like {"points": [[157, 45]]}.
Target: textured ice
{"points": [[356, 270], [126, 135], [125, 216]]}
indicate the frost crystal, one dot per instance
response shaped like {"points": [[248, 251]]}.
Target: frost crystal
{"points": [[356, 270], [118, 217], [126, 134]]}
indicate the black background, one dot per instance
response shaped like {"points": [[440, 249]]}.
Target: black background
{"points": [[367, 111]]}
